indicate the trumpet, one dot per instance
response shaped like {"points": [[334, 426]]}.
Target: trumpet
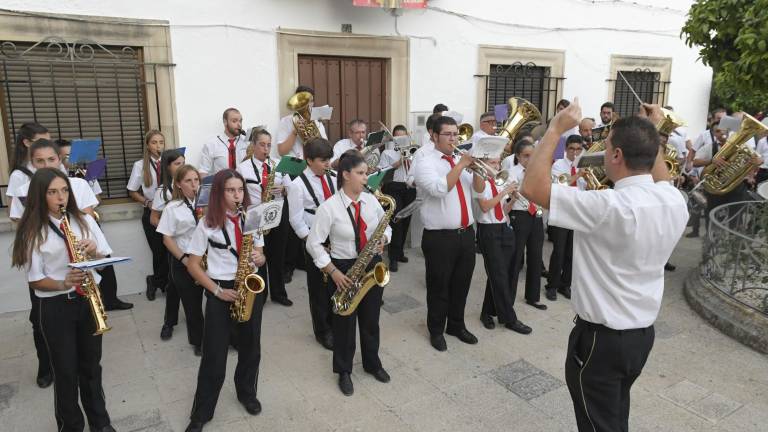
{"points": [[483, 169], [560, 179]]}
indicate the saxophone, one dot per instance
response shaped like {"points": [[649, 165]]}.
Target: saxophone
{"points": [[247, 282], [739, 158], [92, 292], [345, 301]]}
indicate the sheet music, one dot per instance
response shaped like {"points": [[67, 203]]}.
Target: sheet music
{"points": [[99, 263], [322, 113]]}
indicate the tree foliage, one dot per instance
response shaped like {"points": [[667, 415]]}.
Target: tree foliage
{"points": [[732, 36]]}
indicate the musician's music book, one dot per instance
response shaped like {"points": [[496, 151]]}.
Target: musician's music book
{"points": [[85, 265], [84, 151], [292, 166]]}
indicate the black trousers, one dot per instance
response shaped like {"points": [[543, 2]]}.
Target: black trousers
{"points": [[294, 247], [75, 353], [159, 252], [497, 244], [529, 241], [108, 285], [761, 176], [561, 260], [213, 365], [403, 196], [367, 317], [449, 256], [319, 299], [600, 367], [275, 248], [43, 358], [182, 288]]}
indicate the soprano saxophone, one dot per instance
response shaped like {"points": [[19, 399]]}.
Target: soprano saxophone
{"points": [[92, 292], [247, 283], [345, 301]]}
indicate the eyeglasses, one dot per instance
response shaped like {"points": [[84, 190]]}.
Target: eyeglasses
{"points": [[449, 134]]}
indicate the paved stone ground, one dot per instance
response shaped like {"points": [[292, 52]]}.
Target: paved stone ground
{"points": [[696, 378]]}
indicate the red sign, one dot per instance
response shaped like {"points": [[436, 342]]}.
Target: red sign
{"points": [[392, 4]]}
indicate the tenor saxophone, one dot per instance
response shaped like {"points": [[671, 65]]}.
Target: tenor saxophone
{"points": [[345, 301], [89, 287], [247, 283]]}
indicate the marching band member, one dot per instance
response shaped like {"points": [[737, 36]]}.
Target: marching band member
{"points": [[356, 133], [220, 234], [170, 161], [510, 161], [225, 150], [622, 238], [256, 171], [529, 232], [487, 127], [288, 142], [22, 167], [177, 224], [497, 244], [402, 193], [448, 242], [559, 278], [585, 130], [145, 175], [65, 317], [305, 194], [349, 218]]}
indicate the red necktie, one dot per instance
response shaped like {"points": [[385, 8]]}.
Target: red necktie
{"points": [[573, 173], [264, 175], [326, 189], [78, 288], [460, 190], [238, 233], [532, 208], [157, 172], [231, 153], [497, 207], [361, 226]]}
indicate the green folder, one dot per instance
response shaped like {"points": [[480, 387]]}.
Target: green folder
{"points": [[375, 179], [292, 166]]}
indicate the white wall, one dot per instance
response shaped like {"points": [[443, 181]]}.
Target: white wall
{"points": [[220, 66]]}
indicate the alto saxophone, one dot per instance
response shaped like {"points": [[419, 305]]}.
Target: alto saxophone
{"points": [[345, 301], [266, 195], [247, 283], [92, 292]]}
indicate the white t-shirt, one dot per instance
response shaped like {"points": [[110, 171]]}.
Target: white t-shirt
{"points": [[178, 222], [222, 263], [136, 180]]}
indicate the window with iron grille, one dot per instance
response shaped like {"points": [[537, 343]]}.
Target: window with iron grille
{"points": [[648, 86], [527, 81], [79, 90]]}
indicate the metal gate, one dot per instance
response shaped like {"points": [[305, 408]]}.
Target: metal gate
{"points": [[82, 89], [646, 83]]}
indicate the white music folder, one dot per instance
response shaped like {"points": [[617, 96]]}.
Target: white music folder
{"points": [[85, 265]]}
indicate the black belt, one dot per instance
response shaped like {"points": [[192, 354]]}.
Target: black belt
{"points": [[599, 327], [492, 226], [227, 284], [67, 296], [457, 231]]}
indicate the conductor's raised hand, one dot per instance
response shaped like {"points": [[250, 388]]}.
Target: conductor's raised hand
{"points": [[567, 119], [652, 112]]}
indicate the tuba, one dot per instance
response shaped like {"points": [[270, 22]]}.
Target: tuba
{"points": [[738, 157], [247, 283], [306, 129], [345, 301], [521, 113], [92, 292]]}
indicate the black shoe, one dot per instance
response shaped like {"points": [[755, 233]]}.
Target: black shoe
{"points": [[692, 234], [252, 406], [393, 265], [287, 277], [381, 375], [194, 427], [465, 336], [539, 306], [403, 259], [151, 289], [107, 428], [198, 350], [166, 332], [487, 321], [119, 305], [163, 287], [519, 327], [325, 340], [285, 301], [438, 342], [345, 384], [44, 381], [551, 294], [669, 267], [565, 292]]}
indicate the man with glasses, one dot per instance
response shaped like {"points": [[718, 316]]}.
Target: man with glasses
{"points": [[487, 127]]}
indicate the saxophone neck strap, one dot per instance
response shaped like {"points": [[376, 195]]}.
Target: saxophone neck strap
{"points": [[228, 244]]}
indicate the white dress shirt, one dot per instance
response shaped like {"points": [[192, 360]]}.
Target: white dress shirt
{"points": [[622, 239], [489, 217], [80, 189], [388, 158], [508, 163], [301, 206], [222, 263], [136, 180], [160, 199], [332, 221], [215, 154], [441, 208], [517, 173], [50, 259], [418, 154], [16, 179], [342, 146], [178, 222], [701, 140], [762, 150], [252, 171], [284, 129], [477, 135]]}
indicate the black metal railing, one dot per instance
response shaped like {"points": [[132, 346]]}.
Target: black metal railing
{"points": [[646, 83], [735, 256], [528, 81]]}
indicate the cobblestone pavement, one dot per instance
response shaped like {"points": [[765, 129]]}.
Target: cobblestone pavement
{"points": [[696, 378]]}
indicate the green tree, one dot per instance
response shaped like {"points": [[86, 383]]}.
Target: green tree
{"points": [[732, 36]]}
